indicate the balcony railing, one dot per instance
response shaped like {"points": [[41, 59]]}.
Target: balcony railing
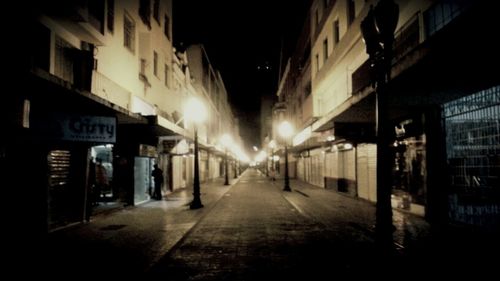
{"points": [[104, 87], [361, 77], [442, 13], [407, 37]]}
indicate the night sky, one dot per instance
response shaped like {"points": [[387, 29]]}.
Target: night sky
{"points": [[242, 39]]}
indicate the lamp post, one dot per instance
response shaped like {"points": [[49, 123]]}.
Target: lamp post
{"points": [[226, 140], [272, 145], [226, 172], [378, 29], [235, 168], [195, 111], [267, 167], [286, 131]]}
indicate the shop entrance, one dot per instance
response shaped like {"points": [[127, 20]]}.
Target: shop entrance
{"points": [[102, 174], [103, 192], [409, 167]]}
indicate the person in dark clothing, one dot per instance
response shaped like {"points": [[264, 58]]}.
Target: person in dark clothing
{"points": [[101, 180], [158, 181]]}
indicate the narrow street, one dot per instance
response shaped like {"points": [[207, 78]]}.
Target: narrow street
{"points": [[257, 231], [288, 140], [250, 230]]}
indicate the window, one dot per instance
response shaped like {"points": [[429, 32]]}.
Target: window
{"points": [[167, 76], [145, 12], [166, 29], [440, 14], [472, 149], [336, 31], [307, 89], [40, 47], [351, 11], [63, 61], [317, 17], [111, 15], [96, 14], [156, 11], [144, 64], [155, 63], [325, 49], [128, 32], [317, 62]]}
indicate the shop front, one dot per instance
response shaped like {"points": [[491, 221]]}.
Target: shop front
{"points": [[77, 150], [143, 168], [409, 173], [473, 154]]}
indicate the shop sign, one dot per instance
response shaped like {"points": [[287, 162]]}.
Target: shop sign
{"points": [[147, 151], [87, 128]]}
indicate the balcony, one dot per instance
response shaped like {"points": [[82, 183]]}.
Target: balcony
{"points": [[405, 40], [105, 88], [84, 19]]}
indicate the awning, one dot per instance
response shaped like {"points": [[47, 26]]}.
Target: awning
{"points": [[359, 108], [164, 127]]}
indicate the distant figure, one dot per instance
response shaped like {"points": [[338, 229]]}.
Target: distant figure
{"points": [[272, 174], [158, 181], [90, 201], [101, 179]]}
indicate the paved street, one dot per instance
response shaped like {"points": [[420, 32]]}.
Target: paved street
{"points": [[250, 230], [125, 242], [257, 231]]}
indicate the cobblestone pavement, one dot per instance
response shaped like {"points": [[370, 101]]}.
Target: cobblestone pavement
{"points": [[125, 242], [253, 230], [257, 231]]}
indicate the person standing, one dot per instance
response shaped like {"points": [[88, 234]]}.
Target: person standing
{"points": [[272, 173], [158, 181], [101, 180]]}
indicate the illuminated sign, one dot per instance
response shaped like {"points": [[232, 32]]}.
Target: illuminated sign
{"points": [[87, 128]]}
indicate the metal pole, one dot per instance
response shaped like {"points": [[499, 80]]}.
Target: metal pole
{"points": [[196, 203], [384, 161], [267, 166], [226, 182], [287, 179], [386, 18], [272, 160], [378, 27], [235, 169]]}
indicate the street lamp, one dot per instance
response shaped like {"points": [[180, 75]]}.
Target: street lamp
{"points": [[378, 29], [194, 111], [235, 168], [226, 141], [272, 145], [286, 131], [267, 166]]}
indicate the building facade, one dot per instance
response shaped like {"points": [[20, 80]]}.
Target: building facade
{"points": [[101, 91], [439, 89]]}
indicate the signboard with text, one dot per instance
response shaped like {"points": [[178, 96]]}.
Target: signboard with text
{"points": [[83, 128]]}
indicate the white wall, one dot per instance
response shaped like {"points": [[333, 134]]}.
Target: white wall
{"points": [[122, 66]]}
